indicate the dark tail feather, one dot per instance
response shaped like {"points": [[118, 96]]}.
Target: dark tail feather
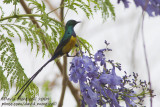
{"points": [[32, 78]]}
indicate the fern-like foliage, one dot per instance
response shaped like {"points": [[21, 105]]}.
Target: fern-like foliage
{"points": [[104, 6], [73, 4], [24, 28], [11, 67], [4, 85], [44, 37], [84, 44], [11, 1]]}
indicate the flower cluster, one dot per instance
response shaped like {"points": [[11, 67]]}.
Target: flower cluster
{"points": [[152, 7], [100, 85]]}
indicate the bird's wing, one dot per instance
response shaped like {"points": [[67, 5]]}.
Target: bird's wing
{"points": [[58, 52]]}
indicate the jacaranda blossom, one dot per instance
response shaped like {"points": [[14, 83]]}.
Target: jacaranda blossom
{"points": [[100, 85], [152, 7]]}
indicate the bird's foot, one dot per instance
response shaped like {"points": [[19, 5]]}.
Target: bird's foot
{"points": [[71, 56], [76, 45]]}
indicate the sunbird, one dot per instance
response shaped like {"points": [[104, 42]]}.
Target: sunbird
{"points": [[67, 42]]}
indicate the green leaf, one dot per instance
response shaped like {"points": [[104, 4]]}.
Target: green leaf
{"points": [[105, 7], [4, 85], [2, 12], [7, 1], [13, 68]]}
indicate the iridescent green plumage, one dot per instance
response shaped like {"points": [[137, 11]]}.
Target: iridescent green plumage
{"points": [[65, 45]]}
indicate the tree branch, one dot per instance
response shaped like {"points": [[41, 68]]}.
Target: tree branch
{"points": [[28, 15], [74, 91], [64, 82], [51, 8]]}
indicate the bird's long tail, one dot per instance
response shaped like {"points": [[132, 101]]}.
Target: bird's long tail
{"points": [[24, 87]]}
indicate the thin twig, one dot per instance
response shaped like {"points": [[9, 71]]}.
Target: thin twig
{"points": [[146, 60], [66, 13], [53, 9], [85, 47], [79, 47], [31, 16], [144, 49], [145, 54]]}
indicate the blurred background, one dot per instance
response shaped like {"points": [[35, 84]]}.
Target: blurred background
{"points": [[125, 41]]}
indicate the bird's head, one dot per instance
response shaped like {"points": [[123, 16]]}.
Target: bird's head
{"points": [[71, 23]]}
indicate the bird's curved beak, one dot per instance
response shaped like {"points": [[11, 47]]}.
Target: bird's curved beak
{"points": [[78, 21]]}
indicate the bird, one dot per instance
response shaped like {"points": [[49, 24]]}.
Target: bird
{"points": [[67, 42]]}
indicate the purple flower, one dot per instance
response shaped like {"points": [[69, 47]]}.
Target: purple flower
{"points": [[99, 84], [92, 71], [125, 2], [110, 96], [130, 101], [89, 96], [74, 75], [86, 61], [113, 97], [77, 71], [106, 43], [99, 55], [83, 78], [77, 61], [96, 84], [111, 79], [152, 7], [89, 100]]}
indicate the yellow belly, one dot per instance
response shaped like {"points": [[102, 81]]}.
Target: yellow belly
{"points": [[69, 45]]}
